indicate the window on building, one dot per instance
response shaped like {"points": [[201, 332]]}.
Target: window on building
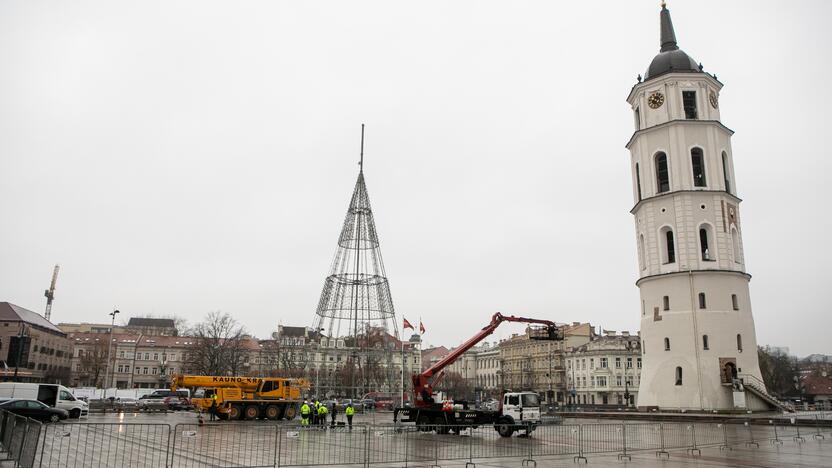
{"points": [[689, 103], [702, 303], [735, 244], [666, 302], [120, 369], [602, 381], [662, 173], [739, 342], [618, 380], [121, 354], [146, 356], [638, 119], [638, 182], [725, 172], [638, 363], [173, 357], [667, 344], [592, 363], [618, 363], [603, 363], [138, 370], [155, 356], [629, 363], [678, 375], [643, 252], [704, 244], [668, 245], [705, 342], [153, 370], [697, 162], [127, 368], [144, 370], [734, 302]]}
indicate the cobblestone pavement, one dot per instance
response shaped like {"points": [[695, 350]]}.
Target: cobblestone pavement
{"points": [[175, 440]]}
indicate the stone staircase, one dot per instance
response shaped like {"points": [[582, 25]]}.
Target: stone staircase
{"points": [[757, 387]]}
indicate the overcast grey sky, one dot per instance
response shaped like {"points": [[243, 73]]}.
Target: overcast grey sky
{"points": [[181, 157]]}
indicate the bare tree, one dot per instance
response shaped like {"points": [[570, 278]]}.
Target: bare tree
{"points": [[93, 363], [219, 346], [456, 386]]}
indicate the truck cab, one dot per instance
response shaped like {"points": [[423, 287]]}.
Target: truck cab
{"points": [[518, 411]]}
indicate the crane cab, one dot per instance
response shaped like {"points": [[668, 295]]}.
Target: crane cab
{"points": [[519, 411]]}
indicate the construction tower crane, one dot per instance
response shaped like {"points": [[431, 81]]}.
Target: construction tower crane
{"points": [[50, 293]]}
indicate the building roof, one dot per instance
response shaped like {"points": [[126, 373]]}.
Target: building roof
{"points": [[670, 58], [151, 322], [13, 313], [818, 385]]}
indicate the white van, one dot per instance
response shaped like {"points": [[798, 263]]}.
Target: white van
{"points": [[56, 396]]}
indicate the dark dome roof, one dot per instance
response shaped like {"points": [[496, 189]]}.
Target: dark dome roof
{"points": [[671, 58], [671, 61]]}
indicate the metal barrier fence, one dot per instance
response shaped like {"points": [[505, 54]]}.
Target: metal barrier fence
{"points": [[264, 443], [19, 438]]}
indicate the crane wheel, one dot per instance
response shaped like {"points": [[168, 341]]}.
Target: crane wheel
{"points": [[291, 412], [235, 413], [252, 412], [272, 412]]}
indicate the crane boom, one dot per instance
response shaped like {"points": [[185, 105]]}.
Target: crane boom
{"points": [[50, 293], [422, 389]]}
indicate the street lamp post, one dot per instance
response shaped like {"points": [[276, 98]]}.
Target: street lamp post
{"points": [[110, 348]]}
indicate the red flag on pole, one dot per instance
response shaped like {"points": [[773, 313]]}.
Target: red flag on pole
{"points": [[421, 327], [407, 325]]}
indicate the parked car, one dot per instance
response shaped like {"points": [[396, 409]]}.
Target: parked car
{"points": [[368, 403], [165, 399], [35, 410], [126, 403], [56, 396]]}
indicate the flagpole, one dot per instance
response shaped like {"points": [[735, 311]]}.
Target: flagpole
{"points": [[402, 388]]}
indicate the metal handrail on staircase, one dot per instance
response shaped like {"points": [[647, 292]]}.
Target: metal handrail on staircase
{"points": [[759, 387]]}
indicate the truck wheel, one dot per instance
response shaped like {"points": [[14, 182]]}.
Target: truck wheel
{"points": [[252, 412], [504, 429], [75, 414], [291, 412], [235, 412], [272, 412]]}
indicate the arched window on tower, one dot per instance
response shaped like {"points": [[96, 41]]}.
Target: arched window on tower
{"points": [[638, 182], [643, 252], [735, 244], [705, 236], [662, 173], [668, 245], [739, 342], [697, 161], [705, 342], [667, 344], [725, 172], [702, 302], [678, 375]]}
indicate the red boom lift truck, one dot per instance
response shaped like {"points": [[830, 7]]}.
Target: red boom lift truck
{"points": [[518, 411]]}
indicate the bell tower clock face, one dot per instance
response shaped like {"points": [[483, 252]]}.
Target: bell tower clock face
{"points": [[714, 99], [655, 100]]}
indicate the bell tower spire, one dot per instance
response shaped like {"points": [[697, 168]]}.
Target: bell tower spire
{"points": [[668, 35]]}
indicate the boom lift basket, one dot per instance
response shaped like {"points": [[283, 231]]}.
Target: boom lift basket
{"points": [[547, 333]]}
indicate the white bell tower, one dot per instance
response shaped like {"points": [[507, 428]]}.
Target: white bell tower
{"points": [[698, 341]]}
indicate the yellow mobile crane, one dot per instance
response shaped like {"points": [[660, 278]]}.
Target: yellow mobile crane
{"points": [[246, 397]]}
